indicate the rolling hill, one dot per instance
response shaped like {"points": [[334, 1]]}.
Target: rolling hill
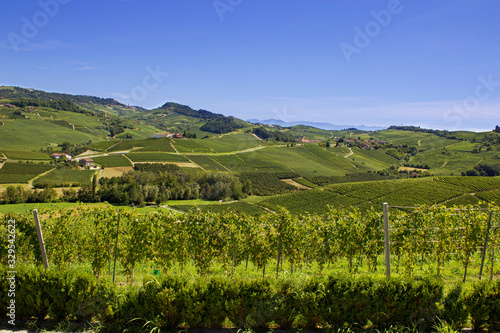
{"points": [[291, 167]]}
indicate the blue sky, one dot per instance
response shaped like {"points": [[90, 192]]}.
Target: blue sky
{"points": [[427, 63]]}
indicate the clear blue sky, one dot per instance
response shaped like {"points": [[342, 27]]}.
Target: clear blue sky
{"points": [[427, 63]]}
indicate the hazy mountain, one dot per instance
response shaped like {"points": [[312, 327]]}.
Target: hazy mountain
{"points": [[325, 126]]}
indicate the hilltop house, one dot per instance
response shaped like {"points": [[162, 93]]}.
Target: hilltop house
{"points": [[59, 155], [86, 162], [162, 135], [168, 135]]}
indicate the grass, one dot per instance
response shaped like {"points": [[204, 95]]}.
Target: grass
{"points": [[12, 173], [64, 178]]}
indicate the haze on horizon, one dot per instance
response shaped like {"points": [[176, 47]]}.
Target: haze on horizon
{"points": [[375, 63]]}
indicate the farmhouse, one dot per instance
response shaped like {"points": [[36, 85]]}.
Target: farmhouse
{"points": [[163, 135], [86, 162], [167, 135], [59, 155], [306, 140]]}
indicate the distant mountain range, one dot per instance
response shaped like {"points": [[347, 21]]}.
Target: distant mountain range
{"points": [[325, 126]]}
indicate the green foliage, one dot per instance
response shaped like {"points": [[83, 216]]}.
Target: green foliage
{"points": [[484, 170], [187, 111], [454, 311], [58, 294], [483, 304], [56, 105], [86, 235], [17, 92], [276, 135], [158, 183], [174, 303], [222, 125]]}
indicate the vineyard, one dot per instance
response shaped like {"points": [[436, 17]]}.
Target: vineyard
{"points": [[157, 157], [227, 269], [21, 172], [112, 161], [423, 240], [267, 183], [25, 155], [64, 178], [206, 162], [363, 195]]}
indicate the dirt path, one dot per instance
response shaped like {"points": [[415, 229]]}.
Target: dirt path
{"points": [[115, 171], [173, 147], [128, 158], [350, 153], [222, 165], [30, 183], [202, 168], [296, 184], [173, 209], [256, 136]]}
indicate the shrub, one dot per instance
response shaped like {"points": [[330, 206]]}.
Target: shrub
{"points": [[60, 295], [483, 304]]}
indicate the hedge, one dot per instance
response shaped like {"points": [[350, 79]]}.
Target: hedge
{"points": [[333, 302]]}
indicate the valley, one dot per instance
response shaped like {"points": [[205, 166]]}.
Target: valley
{"points": [[300, 168]]}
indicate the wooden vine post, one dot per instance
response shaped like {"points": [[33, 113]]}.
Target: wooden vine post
{"points": [[387, 250], [485, 244], [116, 245], [40, 238]]}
